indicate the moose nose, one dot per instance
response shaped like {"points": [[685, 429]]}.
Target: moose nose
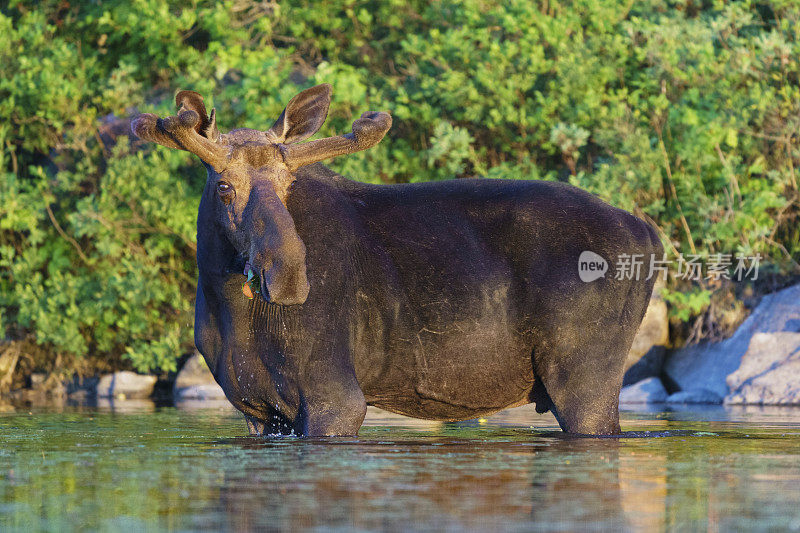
{"points": [[280, 277], [277, 253], [285, 284]]}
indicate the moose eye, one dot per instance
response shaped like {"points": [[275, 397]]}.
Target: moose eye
{"points": [[224, 186]]}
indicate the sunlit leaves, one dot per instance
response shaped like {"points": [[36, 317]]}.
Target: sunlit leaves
{"points": [[678, 112]]}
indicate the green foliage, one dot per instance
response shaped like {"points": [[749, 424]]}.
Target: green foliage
{"points": [[687, 304], [685, 113]]}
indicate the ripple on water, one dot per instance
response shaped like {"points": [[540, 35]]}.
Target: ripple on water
{"points": [[164, 468]]}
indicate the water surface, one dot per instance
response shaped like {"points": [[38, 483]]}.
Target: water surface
{"points": [[135, 467]]}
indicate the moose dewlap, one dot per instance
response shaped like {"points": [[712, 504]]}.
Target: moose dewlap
{"points": [[445, 300]]}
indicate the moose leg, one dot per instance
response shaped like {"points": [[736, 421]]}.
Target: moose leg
{"points": [[276, 425], [331, 400], [255, 426], [338, 414], [581, 343], [581, 364], [583, 383]]}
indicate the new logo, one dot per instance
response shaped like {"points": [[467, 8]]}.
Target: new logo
{"points": [[591, 266]]}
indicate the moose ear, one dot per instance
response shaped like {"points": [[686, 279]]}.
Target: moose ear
{"points": [[304, 115], [207, 126]]}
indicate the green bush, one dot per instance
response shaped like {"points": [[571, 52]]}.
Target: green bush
{"points": [[683, 112]]}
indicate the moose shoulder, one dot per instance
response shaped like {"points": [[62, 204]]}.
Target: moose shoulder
{"points": [[445, 300]]}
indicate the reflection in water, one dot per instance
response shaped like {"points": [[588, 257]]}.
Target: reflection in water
{"points": [[438, 482], [193, 469], [125, 406], [205, 405]]}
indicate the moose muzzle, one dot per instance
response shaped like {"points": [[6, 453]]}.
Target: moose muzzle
{"points": [[277, 255]]}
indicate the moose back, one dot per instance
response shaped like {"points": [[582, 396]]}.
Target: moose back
{"points": [[446, 300]]}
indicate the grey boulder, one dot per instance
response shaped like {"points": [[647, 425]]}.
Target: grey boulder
{"points": [[650, 390], [769, 373], [694, 396], [708, 366], [196, 382], [125, 384]]}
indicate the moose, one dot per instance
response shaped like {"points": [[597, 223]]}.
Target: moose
{"points": [[445, 300]]}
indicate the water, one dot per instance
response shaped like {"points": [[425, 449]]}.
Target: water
{"points": [[135, 468]]}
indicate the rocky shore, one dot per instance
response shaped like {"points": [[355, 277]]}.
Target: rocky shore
{"points": [[194, 383], [758, 365]]}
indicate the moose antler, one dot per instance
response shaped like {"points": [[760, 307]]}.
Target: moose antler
{"points": [[191, 130], [367, 132]]}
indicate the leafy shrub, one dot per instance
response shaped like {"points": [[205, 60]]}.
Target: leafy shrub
{"points": [[685, 113]]}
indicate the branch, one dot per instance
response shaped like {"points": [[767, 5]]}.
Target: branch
{"points": [[61, 232]]}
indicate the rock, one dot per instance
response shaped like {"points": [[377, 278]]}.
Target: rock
{"points": [[707, 366], [209, 391], [38, 379], [205, 405], [43, 387], [768, 372], [125, 384], [650, 390], [695, 396], [196, 382], [649, 366], [654, 330], [80, 395], [9, 356], [194, 372], [40, 396]]}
